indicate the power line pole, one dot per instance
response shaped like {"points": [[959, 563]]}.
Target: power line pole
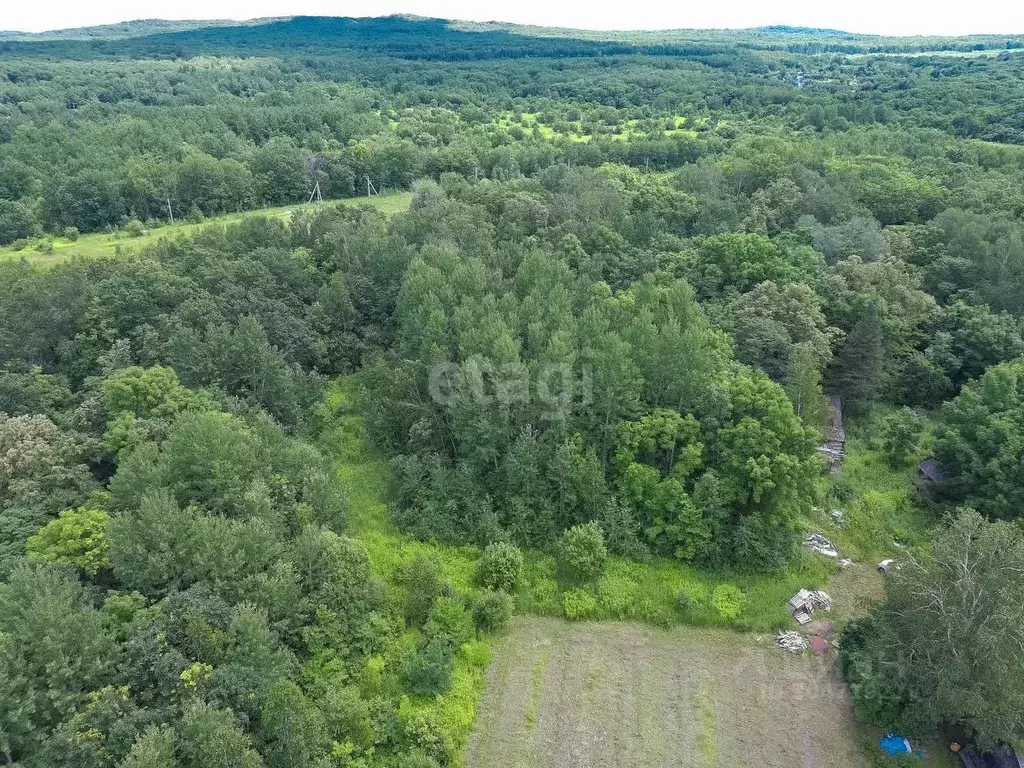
{"points": [[315, 193]]}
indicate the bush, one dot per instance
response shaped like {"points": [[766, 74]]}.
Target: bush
{"points": [[492, 610], [617, 595], [727, 600], [429, 671], [423, 583], [582, 553], [134, 228], [579, 604], [500, 568], [70, 233], [449, 623], [692, 597]]}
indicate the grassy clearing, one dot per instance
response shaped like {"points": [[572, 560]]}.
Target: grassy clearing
{"points": [[100, 244], [686, 697], [877, 500], [618, 694]]}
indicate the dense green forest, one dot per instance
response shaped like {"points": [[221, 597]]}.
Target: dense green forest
{"points": [[597, 342]]}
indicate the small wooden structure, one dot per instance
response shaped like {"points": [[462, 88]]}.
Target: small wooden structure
{"points": [[931, 471]]}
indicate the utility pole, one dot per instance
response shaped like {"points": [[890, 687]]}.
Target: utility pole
{"points": [[315, 193]]}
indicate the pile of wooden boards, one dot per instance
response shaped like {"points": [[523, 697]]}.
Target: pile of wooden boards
{"points": [[807, 601], [791, 641]]}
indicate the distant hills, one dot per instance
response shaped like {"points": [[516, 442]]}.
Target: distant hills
{"points": [[411, 37]]}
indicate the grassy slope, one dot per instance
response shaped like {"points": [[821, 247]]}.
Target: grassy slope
{"points": [[99, 244]]}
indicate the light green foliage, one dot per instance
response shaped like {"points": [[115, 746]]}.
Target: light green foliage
{"points": [[500, 567], [77, 537], [901, 435], [141, 403], [582, 553], [153, 749], [738, 262], [579, 604], [727, 600]]}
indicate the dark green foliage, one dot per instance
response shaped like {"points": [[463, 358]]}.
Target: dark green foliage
{"points": [[630, 270], [860, 365], [429, 671], [492, 610], [979, 442], [424, 584], [944, 645]]}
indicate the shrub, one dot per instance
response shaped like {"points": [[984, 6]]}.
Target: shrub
{"points": [[492, 610], [727, 600], [134, 228], [70, 233], [500, 567], [579, 604], [617, 595], [449, 623], [582, 553], [428, 672], [692, 597], [543, 597], [423, 583]]}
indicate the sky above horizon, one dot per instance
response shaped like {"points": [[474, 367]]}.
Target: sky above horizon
{"points": [[911, 17]]}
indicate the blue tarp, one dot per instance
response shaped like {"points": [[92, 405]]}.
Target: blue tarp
{"points": [[894, 744]]}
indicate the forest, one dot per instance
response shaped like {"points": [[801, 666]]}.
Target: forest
{"points": [[596, 347]]}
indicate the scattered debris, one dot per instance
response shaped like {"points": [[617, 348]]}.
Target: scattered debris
{"points": [[845, 562], [837, 518], [887, 565], [791, 641], [807, 601], [821, 545], [824, 628], [819, 645]]}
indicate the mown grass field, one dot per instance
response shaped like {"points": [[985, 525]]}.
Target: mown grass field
{"points": [[100, 244], [616, 694], [599, 694]]}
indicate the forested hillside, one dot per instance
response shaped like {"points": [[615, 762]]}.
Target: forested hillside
{"points": [[591, 355]]}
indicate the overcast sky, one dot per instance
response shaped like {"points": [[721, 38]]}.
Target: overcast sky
{"points": [[900, 17]]}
